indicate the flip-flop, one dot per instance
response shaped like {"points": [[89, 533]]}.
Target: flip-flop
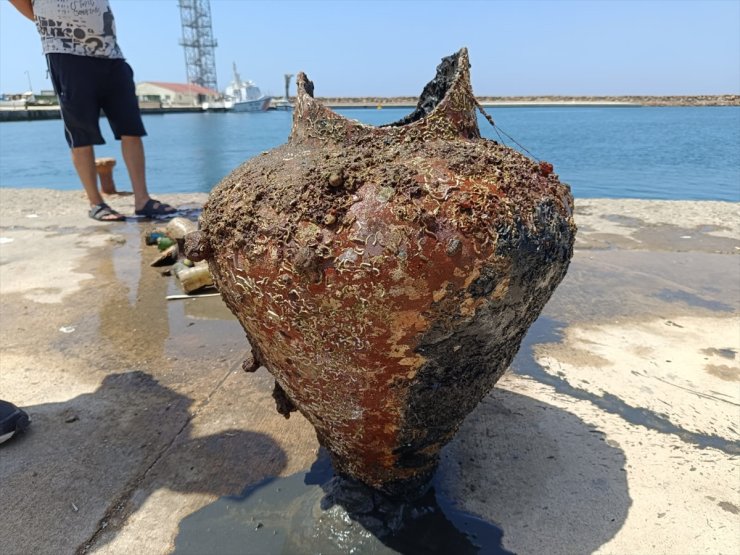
{"points": [[155, 209], [104, 213]]}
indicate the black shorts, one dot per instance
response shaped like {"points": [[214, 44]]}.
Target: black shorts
{"points": [[86, 85]]}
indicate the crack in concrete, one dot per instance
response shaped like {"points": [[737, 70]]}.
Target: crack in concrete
{"points": [[692, 391]]}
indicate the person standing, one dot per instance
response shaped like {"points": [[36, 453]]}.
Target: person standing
{"points": [[90, 74]]}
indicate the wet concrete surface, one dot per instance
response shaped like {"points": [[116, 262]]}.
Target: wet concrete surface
{"points": [[316, 512], [615, 429]]}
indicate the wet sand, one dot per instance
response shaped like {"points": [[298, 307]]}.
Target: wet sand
{"points": [[615, 431]]}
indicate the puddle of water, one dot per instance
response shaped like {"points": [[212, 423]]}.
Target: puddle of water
{"points": [[316, 512], [676, 295], [675, 238], [132, 319], [207, 308], [727, 352], [605, 286], [627, 221]]}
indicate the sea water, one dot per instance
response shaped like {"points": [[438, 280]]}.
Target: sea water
{"points": [[602, 152]]}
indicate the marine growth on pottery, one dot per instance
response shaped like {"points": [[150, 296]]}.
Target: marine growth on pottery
{"points": [[386, 276]]}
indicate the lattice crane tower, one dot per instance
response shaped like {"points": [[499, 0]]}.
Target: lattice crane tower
{"points": [[198, 42]]}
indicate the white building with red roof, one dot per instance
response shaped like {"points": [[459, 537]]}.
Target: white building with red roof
{"points": [[175, 94]]}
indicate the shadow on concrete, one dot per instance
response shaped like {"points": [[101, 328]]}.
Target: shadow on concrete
{"points": [[550, 480], [102, 454], [548, 330]]}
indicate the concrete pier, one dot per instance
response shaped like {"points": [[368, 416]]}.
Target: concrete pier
{"points": [[614, 431]]}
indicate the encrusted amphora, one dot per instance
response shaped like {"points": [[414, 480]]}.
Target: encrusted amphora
{"points": [[386, 276]]}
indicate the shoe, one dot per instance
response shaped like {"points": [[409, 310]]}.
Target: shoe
{"points": [[12, 420], [155, 209], [104, 213]]}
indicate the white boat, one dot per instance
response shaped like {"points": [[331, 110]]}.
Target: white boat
{"points": [[246, 96], [16, 101], [281, 104], [221, 105]]}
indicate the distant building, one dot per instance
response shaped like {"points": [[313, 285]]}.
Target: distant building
{"points": [[47, 97], [175, 94]]}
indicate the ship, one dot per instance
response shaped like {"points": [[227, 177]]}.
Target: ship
{"points": [[246, 95]]}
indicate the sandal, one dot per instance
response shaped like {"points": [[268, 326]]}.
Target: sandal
{"points": [[104, 213], [155, 209]]}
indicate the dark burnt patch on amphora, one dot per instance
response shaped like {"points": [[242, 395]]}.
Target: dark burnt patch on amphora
{"points": [[466, 357]]}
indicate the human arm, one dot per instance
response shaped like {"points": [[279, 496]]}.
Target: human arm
{"points": [[25, 7]]}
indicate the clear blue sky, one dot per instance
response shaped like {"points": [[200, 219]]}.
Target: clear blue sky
{"points": [[389, 48]]}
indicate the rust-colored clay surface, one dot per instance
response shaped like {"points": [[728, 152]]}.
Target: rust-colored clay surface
{"points": [[386, 276]]}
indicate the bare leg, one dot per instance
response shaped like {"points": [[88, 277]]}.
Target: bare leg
{"points": [[133, 154], [132, 149], [83, 158]]}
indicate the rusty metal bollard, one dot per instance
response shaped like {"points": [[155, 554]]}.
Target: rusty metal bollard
{"points": [[104, 167]]}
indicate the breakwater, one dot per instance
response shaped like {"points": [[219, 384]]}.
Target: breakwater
{"points": [[52, 112], [548, 100], [35, 113]]}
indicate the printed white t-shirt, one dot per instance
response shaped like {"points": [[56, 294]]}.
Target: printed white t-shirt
{"points": [[80, 27]]}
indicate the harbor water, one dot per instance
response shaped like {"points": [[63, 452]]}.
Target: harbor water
{"points": [[690, 153]]}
